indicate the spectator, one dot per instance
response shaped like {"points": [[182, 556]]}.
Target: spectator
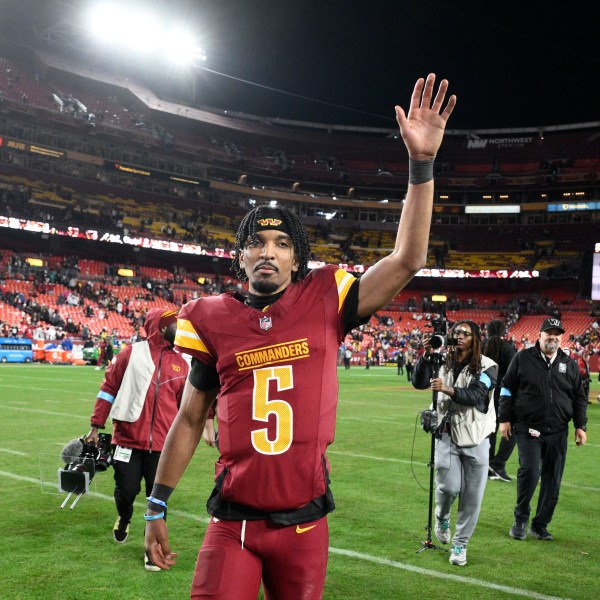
{"points": [[347, 357]]}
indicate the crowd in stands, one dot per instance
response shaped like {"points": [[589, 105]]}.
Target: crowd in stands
{"points": [[43, 295], [64, 299]]}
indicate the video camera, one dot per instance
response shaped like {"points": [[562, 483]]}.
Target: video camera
{"points": [[439, 336], [83, 461]]}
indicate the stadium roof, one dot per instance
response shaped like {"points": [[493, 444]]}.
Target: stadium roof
{"points": [[512, 65]]}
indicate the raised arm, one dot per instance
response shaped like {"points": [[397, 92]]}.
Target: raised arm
{"points": [[422, 131]]}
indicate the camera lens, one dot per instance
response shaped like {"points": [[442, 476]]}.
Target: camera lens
{"points": [[437, 341]]}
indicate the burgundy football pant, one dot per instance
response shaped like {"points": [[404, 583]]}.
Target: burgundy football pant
{"points": [[235, 556]]}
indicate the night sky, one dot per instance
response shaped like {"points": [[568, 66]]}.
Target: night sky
{"points": [[511, 64]]}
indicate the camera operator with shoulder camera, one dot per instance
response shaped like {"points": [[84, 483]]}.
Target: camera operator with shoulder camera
{"points": [[463, 381], [141, 393]]}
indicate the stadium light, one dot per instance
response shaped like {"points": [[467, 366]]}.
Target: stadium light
{"points": [[134, 29], [179, 47], [143, 34]]}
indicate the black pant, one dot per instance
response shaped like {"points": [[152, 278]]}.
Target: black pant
{"points": [[128, 479], [544, 457], [498, 459]]}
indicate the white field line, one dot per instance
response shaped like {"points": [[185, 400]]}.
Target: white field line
{"points": [[339, 551], [44, 412]]}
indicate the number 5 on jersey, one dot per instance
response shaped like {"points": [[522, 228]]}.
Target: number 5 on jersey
{"points": [[262, 407]]}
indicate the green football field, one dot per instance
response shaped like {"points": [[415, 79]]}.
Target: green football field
{"points": [[380, 480]]}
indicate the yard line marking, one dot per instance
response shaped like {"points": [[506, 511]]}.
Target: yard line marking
{"points": [[141, 505], [29, 377], [43, 389], [370, 420], [44, 412], [430, 573], [413, 462], [341, 551], [579, 487], [378, 458], [369, 404], [16, 452]]}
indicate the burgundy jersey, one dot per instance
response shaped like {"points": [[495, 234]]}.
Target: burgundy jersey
{"points": [[278, 386]]}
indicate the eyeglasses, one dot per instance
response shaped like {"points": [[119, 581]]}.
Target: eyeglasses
{"points": [[463, 332]]}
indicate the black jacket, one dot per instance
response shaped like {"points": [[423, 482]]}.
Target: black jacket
{"points": [[542, 398]]}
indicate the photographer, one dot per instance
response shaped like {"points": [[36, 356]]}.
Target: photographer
{"points": [[141, 393], [466, 416]]}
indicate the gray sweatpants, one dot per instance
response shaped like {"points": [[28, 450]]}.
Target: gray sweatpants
{"points": [[460, 472]]}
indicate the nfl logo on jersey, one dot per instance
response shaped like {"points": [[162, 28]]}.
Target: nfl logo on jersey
{"points": [[266, 323]]}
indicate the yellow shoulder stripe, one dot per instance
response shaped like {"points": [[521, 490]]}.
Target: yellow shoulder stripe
{"points": [[344, 280], [186, 337]]}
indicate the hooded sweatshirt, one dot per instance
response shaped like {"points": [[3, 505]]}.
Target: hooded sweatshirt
{"points": [[142, 390]]}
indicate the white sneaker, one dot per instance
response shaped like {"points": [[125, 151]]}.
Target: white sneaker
{"points": [[442, 531], [458, 555]]}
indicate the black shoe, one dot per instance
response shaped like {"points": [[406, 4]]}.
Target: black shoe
{"points": [[517, 531], [541, 533], [121, 531], [492, 474], [149, 565], [497, 473]]}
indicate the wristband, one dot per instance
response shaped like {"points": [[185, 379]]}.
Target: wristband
{"points": [[420, 171], [154, 517], [156, 501]]}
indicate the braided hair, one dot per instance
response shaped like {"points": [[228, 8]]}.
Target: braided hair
{"points": [[290, 224], [474, 366]]}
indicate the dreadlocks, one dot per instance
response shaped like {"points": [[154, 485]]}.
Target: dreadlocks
{"points": [[267, 217], [474, 366]]}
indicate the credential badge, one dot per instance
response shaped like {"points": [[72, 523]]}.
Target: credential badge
{"points": [[562, 368], [265, 323]]}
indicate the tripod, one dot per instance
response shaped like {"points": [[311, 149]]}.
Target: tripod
{"points": [[436, 362]]}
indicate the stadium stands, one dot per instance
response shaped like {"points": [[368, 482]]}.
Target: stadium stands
{"points": [[83, 152]]}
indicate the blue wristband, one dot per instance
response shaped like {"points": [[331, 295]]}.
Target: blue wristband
{"points": [[154, 517], [156, 501]]}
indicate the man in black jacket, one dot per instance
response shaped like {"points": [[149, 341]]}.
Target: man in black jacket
{"points": [[541, 392]]}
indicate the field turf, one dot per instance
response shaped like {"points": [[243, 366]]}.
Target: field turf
{"points": [[380, 480]]}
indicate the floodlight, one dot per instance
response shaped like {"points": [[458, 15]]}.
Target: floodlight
{"points": [[179, 47], [143, 34], [106, 22]]}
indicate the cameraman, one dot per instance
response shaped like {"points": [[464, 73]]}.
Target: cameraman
{"points": [[464, 389], [141, 393]]}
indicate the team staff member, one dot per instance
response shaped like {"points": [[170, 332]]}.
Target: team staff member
{"points": [[465, 408], [141, 393], [541, 392], [275, 354]]}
